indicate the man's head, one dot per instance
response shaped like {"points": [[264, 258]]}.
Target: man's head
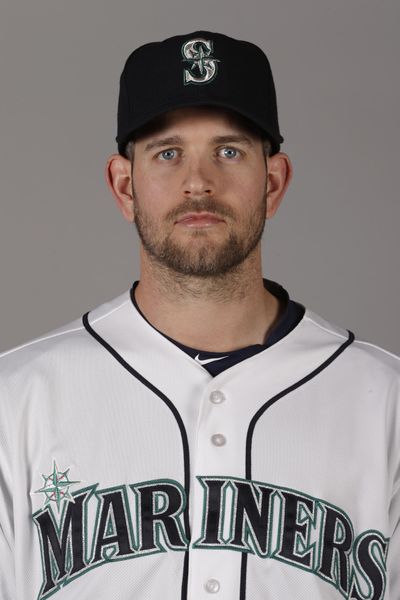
{"points": [[199, 189], [198, 170]]}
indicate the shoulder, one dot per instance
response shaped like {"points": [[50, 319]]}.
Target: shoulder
{"points": [[359, 354], [54, 349]]}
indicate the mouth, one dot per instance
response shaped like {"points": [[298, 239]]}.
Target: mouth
{"points": [[202, 219]]}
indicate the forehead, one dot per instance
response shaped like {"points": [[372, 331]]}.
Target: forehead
{"points": [[199, 116]]}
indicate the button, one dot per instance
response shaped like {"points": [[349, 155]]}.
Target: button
{"points": [[218, 439], [212, 586], [216, 397]]}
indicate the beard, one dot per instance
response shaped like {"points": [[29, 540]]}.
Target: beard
{"points": [[201, 255]]}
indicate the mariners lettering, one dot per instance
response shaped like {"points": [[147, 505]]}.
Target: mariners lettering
{"points": [[270, 522]]}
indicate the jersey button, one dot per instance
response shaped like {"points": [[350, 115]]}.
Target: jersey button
{"points": [[216, 397], [218, 439], [212, 586]]}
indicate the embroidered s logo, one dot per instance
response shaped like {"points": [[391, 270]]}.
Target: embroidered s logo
{"points": [[204, 66]]}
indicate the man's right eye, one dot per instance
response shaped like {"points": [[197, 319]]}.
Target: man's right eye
{"points": [[167, 154]]}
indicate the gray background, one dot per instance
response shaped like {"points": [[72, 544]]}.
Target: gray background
{"points": [[65, 248]]}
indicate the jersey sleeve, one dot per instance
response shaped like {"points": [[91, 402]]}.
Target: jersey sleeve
{"points": [[393, 559], [393, 556], [7, 570]]}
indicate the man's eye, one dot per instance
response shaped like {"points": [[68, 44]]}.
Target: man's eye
{"points": [[167, 154], [228, 152]]}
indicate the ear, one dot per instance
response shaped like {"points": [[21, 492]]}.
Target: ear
{"points": [[119, 180], [280, 172]]}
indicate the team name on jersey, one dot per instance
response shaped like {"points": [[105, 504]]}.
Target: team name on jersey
{"points": [[97, 526]]}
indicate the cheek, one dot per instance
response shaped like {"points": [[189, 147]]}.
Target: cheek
{"points": [[249, 187], [149, 187], [152, 198]]}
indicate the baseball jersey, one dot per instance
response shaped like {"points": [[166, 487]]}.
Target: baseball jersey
{"points": [[127, 471]]}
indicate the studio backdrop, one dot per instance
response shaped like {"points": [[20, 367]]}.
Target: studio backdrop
{"points": [[65, 248]]}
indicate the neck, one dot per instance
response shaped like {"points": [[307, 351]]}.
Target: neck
{"points": [[215, 314]]}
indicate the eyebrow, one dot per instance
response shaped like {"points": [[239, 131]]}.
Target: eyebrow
{"points": [[219, 139]]}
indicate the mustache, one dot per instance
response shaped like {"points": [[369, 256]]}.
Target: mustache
{"points": [[210, 205]]}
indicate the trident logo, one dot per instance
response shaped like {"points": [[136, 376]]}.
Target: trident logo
{"points": [[204, 66]]}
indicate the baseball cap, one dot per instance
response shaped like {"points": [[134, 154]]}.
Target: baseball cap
{"points": [[200, 68]]}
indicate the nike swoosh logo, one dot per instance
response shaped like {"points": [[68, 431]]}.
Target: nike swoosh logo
{"points": [[208, 360]]}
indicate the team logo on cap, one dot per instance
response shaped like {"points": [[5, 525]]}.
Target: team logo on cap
{"points": [[204, 66]]}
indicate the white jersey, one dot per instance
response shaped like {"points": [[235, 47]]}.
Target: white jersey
{"points": [[128, 472]]}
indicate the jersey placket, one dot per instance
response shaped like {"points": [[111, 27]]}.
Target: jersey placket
{"points": [[213, 570]]}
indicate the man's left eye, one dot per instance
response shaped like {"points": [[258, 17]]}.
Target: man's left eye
{"points": [[229, 152]]}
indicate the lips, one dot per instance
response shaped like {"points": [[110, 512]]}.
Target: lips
{"points": [[199, 220]]}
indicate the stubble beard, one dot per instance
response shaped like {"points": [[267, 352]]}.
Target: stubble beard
{"points": [[208, 258]]}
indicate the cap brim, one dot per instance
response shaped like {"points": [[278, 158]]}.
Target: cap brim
{"points": [[122, 139]]}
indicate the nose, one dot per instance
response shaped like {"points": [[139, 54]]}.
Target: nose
{"points": [[199, 178]]}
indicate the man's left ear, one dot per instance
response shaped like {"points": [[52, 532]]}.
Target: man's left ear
{"points": [[280, 172]]}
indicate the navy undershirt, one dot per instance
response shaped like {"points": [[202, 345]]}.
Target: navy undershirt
{"points": [[291, 313]]}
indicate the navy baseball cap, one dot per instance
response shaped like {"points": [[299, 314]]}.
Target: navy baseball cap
{"points": [[200, 68]]}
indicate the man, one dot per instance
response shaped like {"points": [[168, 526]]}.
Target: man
{"points": [[202, 433]]}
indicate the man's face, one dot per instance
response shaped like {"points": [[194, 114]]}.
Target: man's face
{"points": [[199, 187]]}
